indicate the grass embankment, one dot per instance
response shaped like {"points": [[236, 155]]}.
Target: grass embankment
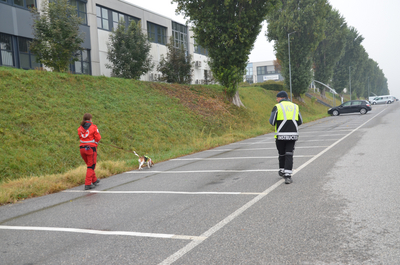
{"points": [[41, 111]]}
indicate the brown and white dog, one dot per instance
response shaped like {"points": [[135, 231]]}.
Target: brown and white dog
{"points": [[144, 160]]}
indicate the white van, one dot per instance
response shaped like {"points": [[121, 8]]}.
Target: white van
{"points": [[386, 99]]}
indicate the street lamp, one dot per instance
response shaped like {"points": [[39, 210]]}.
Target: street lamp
{"points": [[290, 71], [350, 81]]}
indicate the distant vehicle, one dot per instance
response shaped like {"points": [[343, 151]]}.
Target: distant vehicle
{"points": [[362, 106], [386, 99]]}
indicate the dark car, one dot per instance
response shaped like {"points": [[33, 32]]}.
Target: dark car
{"points": [[351, 106]]}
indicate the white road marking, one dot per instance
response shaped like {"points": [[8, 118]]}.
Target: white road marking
{"points": [[262, 148], [101, 232], [162, 192], [200, 171], [230, 158], [177, 255]]}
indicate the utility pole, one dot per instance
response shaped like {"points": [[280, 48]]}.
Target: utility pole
{"points": [[350, 81], [290, 72]]}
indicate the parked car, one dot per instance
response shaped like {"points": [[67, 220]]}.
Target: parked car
{"points": [[387, 99], [362, 106]]}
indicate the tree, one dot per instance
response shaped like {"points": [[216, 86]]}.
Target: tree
{"points": [[56, 35], [228, 29], [347, 64], [330, 49], [306, 21], [129, 51], [177, 66]]}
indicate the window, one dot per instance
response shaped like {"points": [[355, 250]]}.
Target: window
{"points": [[356, 103], [27, 60], [108, 19], [261, 70], [179, 33], [6, 50], [81, 9], [20, 3], [102, 18], [82, 66], [156, 33], [200, 50]]}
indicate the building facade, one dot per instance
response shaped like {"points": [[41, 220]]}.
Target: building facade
{"points": [[258, 72], [100, 17]]}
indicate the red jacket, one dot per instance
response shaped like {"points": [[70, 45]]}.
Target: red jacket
{"points": [[89, 134]]}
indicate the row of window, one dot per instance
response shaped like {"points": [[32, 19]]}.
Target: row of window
{"points": [[263, 70], [14, 51], [108, 19], [20, 3]]}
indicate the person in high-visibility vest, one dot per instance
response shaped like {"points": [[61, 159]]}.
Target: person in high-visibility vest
{"points": [[89, 137], [286, 118]]}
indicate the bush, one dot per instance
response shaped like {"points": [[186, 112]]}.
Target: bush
{"points": [[272, 85]]}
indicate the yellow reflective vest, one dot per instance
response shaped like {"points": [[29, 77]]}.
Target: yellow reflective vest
{"points": [[286, 120]]}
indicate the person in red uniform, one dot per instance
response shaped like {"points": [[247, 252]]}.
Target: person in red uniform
{"points": [[89, 138]]}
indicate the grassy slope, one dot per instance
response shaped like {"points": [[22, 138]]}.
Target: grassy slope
{"points": [[41, 111]]}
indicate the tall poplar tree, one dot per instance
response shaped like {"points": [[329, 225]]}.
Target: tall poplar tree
{"points": [[330, 49], [228, 29], [305, 21], [56, 34]]}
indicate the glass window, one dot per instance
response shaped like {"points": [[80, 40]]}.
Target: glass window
{"points": [[179, 33], [30, 3], [82, 66], [6, 50], [107, 19], [156, 33], [19, 2], [27, 60], [81, 9]]}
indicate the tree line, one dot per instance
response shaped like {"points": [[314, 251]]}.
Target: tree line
{"points": [[322, 46]]}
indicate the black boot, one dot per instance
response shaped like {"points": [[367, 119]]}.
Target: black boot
{"points": [[89, 187], [96, 182]]}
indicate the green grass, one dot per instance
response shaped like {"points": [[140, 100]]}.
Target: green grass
{"points": [[40, 113]]}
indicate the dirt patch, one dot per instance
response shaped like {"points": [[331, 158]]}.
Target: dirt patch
{"points": [[200, 99]]}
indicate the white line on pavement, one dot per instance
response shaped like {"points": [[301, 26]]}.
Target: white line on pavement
{"points": [[162, 192], [200, 171], [229, 158], [101, 232], [266, 148]]}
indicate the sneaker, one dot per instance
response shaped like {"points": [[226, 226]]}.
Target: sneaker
{"points": [[89, 187], [281, 173], [288, 180], [96, 182]]}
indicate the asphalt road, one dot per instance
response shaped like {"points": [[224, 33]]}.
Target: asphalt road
{"points": [[229, 206]]}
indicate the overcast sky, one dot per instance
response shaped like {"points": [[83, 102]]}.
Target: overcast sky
{"points": [[377, 21]]}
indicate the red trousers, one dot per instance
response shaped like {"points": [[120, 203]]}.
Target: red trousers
{"points": [[89, 155]]}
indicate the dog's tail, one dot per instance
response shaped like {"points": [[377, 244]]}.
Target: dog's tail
{"points": [[136, 154]]}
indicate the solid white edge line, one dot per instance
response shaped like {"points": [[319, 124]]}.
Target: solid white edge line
{"points": [[200, 171], [162, 192], [174, 257], [228, 158], [100, 232]]}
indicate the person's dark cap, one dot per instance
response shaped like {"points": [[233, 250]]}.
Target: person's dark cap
{"points": [[282, 94]]}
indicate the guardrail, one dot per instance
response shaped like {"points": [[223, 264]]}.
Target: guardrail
{"points": [[319, 101]]}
